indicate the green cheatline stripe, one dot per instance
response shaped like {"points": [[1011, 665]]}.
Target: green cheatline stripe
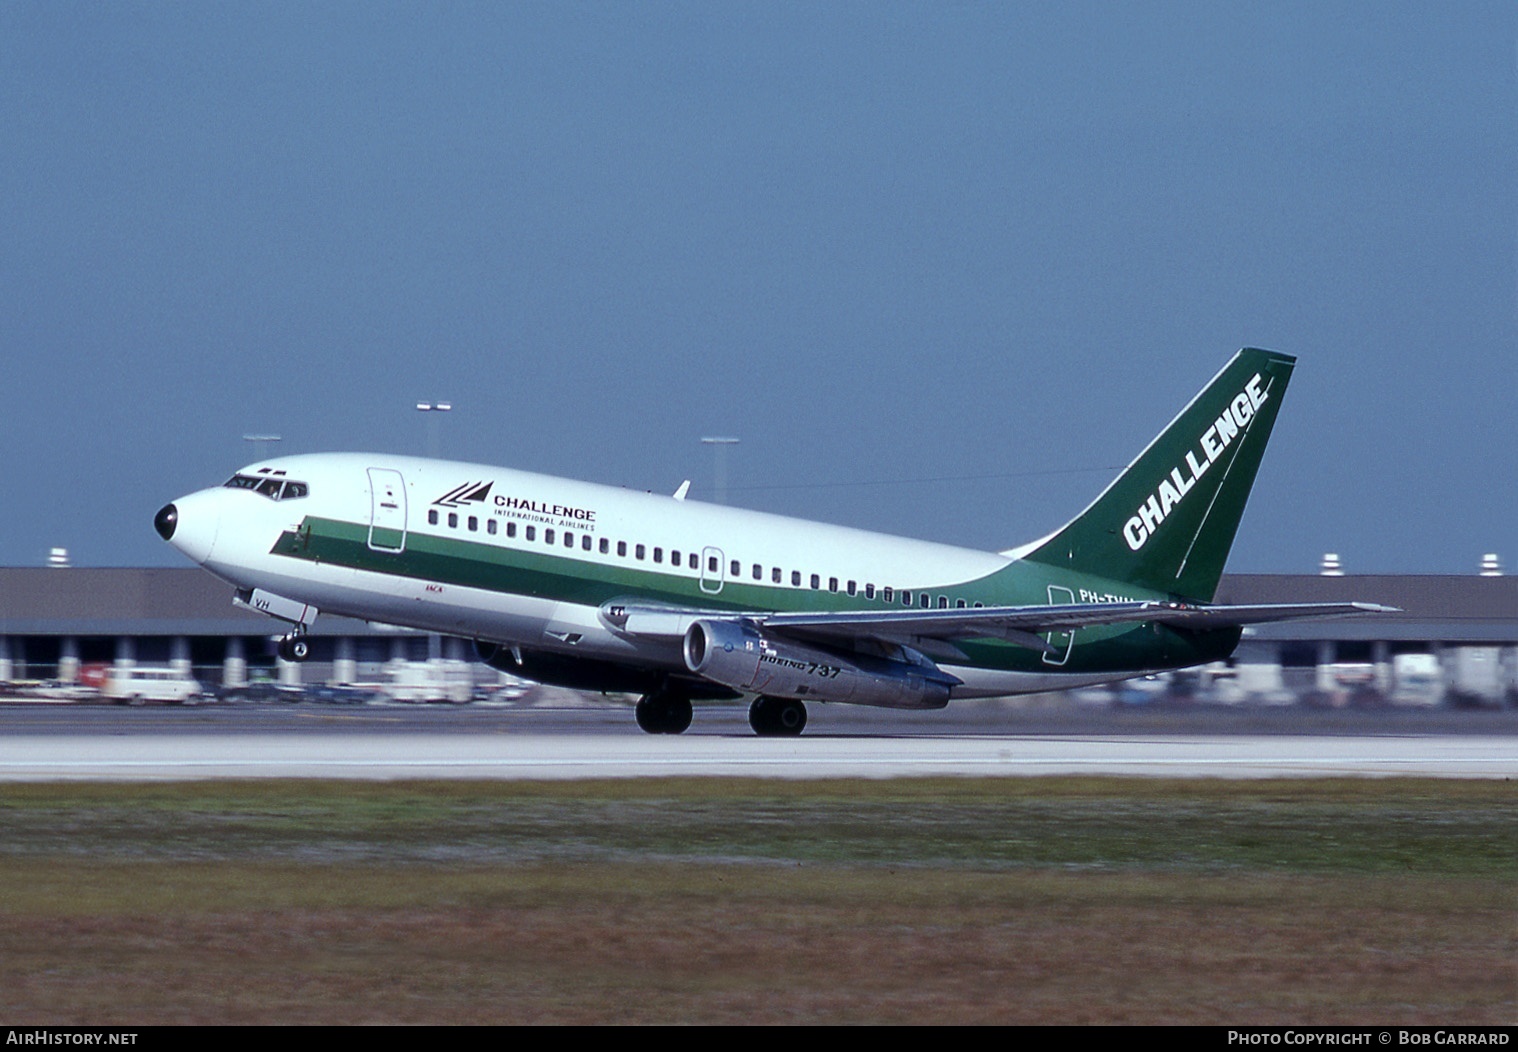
{"points": [[512, 571]]}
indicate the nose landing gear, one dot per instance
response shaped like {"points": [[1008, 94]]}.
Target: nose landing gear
{"points": [[295, 647]]}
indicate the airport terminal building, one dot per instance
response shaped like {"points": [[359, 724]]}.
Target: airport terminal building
{"points": [[1454, 641]]}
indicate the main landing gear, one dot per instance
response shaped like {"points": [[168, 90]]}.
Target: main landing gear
{"points": [[665, 711], [776, 717], [295, 647]]}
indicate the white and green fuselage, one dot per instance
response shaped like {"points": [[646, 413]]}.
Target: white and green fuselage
{"points": [[598, 586]]}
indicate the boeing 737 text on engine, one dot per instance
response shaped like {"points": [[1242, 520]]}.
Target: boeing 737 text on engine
{"points": [[598, 588]]}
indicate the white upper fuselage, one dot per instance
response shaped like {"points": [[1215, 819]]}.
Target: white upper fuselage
{"points": [[240, 525]]}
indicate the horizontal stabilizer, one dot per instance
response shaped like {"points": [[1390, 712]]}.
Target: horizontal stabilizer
{"points": [[1203, 617]]}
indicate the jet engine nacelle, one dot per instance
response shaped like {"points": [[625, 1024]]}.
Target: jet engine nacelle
{"points": [[737, 655]]}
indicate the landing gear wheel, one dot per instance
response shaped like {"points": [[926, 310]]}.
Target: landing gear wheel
{"points": [[777, 717], [664, 713], [294, 648]]}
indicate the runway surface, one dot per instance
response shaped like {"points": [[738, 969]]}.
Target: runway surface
{"points": [[105, 745]]}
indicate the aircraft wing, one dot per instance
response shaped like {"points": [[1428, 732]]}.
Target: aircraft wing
{"points": [[934, 632], [1023, 625]]}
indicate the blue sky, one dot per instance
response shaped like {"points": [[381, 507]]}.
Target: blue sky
{"points": [[941, 267]]}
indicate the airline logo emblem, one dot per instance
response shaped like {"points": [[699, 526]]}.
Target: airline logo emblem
{"points": [[468, 493], [1220, 434]]}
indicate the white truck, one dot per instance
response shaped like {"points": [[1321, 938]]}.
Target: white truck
{"points": [[140, 684], [428, 681]]}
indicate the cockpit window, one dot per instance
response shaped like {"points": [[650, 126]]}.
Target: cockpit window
{"points": [[269, 486]]}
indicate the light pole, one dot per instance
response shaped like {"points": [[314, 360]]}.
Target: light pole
{"points": [[719, 446], [432, 409], [259, 442]]}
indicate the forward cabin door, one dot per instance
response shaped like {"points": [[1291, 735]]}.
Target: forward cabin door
{"points": [[387, 511]]}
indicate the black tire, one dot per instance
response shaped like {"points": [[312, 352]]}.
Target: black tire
{"points": [[777, 717], [293, 648], [790, 717], [664, 713], [647, 714], [759, 716]]}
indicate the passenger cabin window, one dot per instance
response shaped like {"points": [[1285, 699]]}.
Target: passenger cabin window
{"points": [[816, 581], [453, 520], [474, 524], [491, 526], [658, 555], [622, 548], [511, 529], [548, 536], [585, 542], [758, 572], [638, 551], [735, 570], [695, 562], [795, 578], [531, 534], [431, 516]]}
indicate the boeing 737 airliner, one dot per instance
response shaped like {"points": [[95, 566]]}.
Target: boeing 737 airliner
{"points": [[599, 588]]}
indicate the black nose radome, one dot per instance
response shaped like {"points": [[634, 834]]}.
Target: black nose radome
{"points": [[165, 521]]}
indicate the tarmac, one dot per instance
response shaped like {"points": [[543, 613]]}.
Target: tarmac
{"points": [[549, 741]]}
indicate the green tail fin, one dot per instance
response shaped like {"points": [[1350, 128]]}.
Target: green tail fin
{"points": [[1167, 522]]}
